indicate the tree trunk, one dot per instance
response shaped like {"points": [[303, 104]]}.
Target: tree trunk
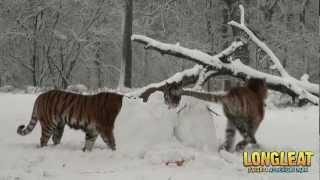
{"points": [[209, 11], [126, 64], [98, 69], [34, 55]]}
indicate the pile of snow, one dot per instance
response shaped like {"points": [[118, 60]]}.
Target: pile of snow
{"points": [[152, 123], [148, 136], [195, 126]]}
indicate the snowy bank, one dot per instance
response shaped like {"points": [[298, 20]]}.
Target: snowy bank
{"points": [[148, 135]]}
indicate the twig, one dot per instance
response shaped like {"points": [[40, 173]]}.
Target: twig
{"points": [[212, 111]]}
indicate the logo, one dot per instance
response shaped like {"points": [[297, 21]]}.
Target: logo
{"points": [[277, 162]]}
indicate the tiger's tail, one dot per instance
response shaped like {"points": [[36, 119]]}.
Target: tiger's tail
{"points": [[22, 130], [206, 96]]}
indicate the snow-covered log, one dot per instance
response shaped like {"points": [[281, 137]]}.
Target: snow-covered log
{"points": [[176, 50], [234, 68]]}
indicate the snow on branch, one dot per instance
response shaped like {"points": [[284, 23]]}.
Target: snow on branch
{"points": [[204, 76], [261, 44], [234, 68], [194, 55], [312, 88], [183, 78]]}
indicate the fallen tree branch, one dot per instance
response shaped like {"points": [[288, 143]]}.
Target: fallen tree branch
{"points": [[176, 50], [204, 75], [261, 44], [197, 75], [183, 78], [312, 88], [234, 68]]}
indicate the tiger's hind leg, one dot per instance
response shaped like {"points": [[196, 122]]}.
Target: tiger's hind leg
{"points": [[229, 137], [108, 138], [247, 132], [46, 132], [58, 133], [91, 136]]}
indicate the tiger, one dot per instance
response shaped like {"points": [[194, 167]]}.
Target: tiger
{"points": [[244, 108], [93, 114]]}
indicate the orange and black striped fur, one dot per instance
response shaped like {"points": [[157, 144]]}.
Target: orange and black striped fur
{"points": [[94, 114], [244, 109]]}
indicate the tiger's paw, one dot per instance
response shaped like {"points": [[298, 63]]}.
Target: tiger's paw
{"points": [[225, 147], [84, 149], [240, 146], [113, 148]]}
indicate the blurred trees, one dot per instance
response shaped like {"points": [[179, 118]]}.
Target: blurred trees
{"points": [[62, 42]]}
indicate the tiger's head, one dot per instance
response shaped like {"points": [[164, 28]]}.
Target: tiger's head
{"points": [[171, 98], [259, 86]]}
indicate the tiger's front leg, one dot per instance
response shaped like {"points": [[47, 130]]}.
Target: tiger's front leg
{"points": [[91, 136], [58, 133], [247, 132]]}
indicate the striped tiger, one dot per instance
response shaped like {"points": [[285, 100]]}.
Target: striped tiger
{"points": [[244, 108], [94, 114]]}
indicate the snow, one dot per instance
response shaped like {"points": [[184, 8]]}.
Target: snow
{"points": [[148, 135], [60, 35]]}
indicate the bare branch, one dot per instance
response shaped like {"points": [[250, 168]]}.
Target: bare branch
{"points": [[20, 61], [262, 45], [241, 15], [61, 73]]}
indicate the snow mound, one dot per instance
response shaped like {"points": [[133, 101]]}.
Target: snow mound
{"points": [[195, 125], [152, 123]]}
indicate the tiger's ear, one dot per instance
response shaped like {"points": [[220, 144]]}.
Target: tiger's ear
{"points": [[165, 87]]}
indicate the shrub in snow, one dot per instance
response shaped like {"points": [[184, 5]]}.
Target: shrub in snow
{"points": [[77, 88], [278, 99], [30, 89], [33, 89], [6, 88]]}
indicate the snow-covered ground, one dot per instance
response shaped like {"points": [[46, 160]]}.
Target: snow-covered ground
{"points": [[147, 136]]}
